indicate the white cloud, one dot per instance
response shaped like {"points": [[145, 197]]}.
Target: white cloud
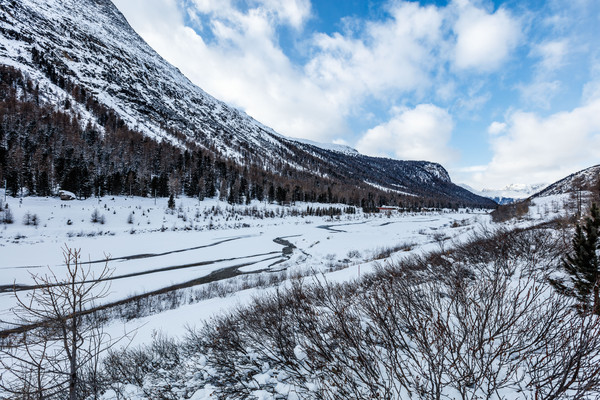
{"points": [[543, 149], [496, 128], [591, 91], [210, 6], [484, 41], [150, 15], [293, 12], [289, 12], [244, 66], [539, 94], [420, 133], [467, 104], [470, 169], [553, 54], [389, 56]]}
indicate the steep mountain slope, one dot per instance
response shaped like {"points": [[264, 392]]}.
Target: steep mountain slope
{"points": [[586, 179], [82, 51]]}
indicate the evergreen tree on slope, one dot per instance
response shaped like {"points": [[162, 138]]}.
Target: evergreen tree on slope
{"points": [[582, 265]]}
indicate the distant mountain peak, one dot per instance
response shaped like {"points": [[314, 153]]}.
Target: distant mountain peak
{"points": [[508, 194], [516, 190]]}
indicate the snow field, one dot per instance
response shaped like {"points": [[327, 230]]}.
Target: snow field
{"points": [[165, 247]]}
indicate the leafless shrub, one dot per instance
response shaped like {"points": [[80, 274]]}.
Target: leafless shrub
{"points": [[476, 337], [509, 211], [56, 342], [128, 366], [386, 252], [478, 331], [154, 363], [353, 254], [441, 239]]}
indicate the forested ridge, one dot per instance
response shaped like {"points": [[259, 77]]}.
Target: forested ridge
{"points": [[106, 114], [43, 148]]}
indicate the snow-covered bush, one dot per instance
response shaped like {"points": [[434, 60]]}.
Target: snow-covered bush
{"points": [[30, 219], [97, 217], [152, 368], [6, 216], [481, 324], [353, 254]]}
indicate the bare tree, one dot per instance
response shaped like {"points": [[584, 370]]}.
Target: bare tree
{"points": [[59, 336], [441, 238]]}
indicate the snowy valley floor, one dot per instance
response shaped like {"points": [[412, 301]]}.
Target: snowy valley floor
{"points": [[227, 262], [150, 247]]}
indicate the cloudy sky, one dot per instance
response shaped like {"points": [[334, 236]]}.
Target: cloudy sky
{"points": [[498, 92]]}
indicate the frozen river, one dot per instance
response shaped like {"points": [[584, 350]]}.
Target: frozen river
{"points": [[149, 261]]}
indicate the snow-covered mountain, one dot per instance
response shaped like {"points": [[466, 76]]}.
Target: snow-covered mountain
{"points": [[586, 179], [509, 194], [74, 49], [341, 148], [515, 191], [91, 43]]}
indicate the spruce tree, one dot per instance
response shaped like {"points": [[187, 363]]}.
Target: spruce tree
{"points": [[582, 265]]}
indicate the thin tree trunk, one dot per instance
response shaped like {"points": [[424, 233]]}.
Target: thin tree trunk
{"points": [[597, 297]]}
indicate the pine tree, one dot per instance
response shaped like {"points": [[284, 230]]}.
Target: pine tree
{"points": [[171, 202], [582, 265]]}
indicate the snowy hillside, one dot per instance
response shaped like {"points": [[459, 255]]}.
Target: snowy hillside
{"points": [[329, 146], [586, 179], [80, 51], [92, 43]]}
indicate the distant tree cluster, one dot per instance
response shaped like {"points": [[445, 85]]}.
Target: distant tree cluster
{"points": [[505, 212]]}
